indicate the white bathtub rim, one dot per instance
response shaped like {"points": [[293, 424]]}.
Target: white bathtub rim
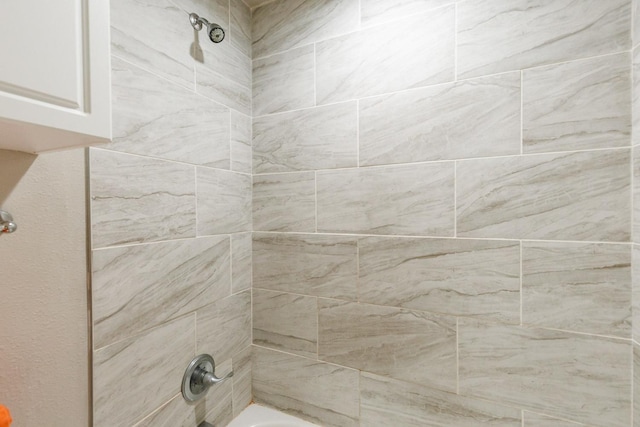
{"points": [[256, 415]]}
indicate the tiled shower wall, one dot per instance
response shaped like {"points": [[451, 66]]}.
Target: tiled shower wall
{"points": [[171, 215], [442, 207]]}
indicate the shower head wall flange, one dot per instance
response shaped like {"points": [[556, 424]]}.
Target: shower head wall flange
{"points": [[214, 31]]}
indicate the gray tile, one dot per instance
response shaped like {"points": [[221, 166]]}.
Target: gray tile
{"points": [[459, 277], [136, 199], [536, 420], [225, 61], [635, 5], [240, 27], [137, 287], [635, 153], [635, 292], [242, 395], [285, 24], [285, 322], [151, 34], [635, 95], [285, 81], [320, 392], [223, 90], [571, 376], [504, 35], [240, 142], [578, 287], [636, 385], [224, 327], [575, 196], [473, 118], [310, 264], [383, 59], [240, 262], [388, 402], [402, 344], [284, 202], [317, 138], [213, 10], [577, 105], [129, 369], [154, 117], [224, 202], [379, 11], [409, 200]]}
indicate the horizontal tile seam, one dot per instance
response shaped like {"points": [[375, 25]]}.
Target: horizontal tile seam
{"points": [[160, 242]]}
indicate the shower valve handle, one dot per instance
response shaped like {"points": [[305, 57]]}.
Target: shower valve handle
{"points": [[199, 377]]}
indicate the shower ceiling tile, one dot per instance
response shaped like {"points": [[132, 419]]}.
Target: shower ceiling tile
{"points": [[577, 287], [285, 24], [320, 392], [308, 264], [411, 53], [153, 117], [473, 118], [284, 81], [388, 402], [284, 202], [504, 35], [574, 196], [137, 199], [285, 322], [408, 200], [132, 286], [408, 345], [577, 105], [224, 202], [125, 371], [458, 277], [316, 138], [572, 376]]}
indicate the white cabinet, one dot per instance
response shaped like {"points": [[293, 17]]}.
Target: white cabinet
{"points": [[54, 74]]}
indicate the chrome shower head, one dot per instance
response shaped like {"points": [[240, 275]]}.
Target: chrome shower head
{"points": [[214, 31]]}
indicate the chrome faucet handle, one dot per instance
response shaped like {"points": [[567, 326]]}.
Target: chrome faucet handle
{"points": [[199, 377], [6, 223]]}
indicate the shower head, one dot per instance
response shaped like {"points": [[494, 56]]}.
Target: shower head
{"points": [[214, 31]]}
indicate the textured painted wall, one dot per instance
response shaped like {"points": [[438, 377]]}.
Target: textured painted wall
{"points": [[171, 215], [442, 211]]}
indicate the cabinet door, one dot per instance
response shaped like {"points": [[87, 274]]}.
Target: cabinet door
{"points": [[54, 74]]}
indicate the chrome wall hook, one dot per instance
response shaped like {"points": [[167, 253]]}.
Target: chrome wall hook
{"points": [[6, 223], [199, 377]]}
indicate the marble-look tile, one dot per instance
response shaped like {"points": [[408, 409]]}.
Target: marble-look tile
{"points": [[577, 105], [224, 327], [320, 392], [154, 117], [635, 5], [225, 61], [316, 138], [571, 376], [284, 202], [413, 52], [472, 118], [635, 152], [575, 196], [128, 372], [387, 402], [635, 96], [136, 199], [504, 35], [223, 90], [240, 262], [374, 12], [532, 419], [240, 142], [578, 287], [224, 202], [214, 10], [452, 276], [311, 264], [285, 81], [409, 200], [285, 322], [636, 385], [240, 27], [137, 287], [635, 293], [285, 24], [402, 344], [242, 395], [152, 34]]}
